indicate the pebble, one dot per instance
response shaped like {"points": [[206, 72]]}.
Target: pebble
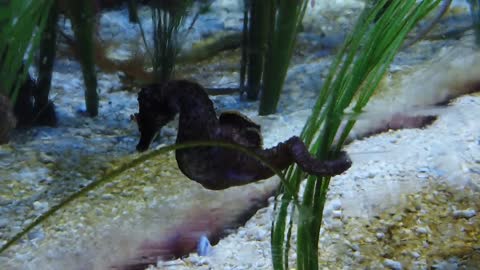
{"points": [[422, 230], [446, 265], [198, 261], [422, 175], [260, 235], [415, 254], [46, 158], [334, 224], [394, 265], [380, 235], [169, 131], [467, 213], [107, 196], [39, 205], [337, 214], [36, 235], [204, 248], [3, 222]]}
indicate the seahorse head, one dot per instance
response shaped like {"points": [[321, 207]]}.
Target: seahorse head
{"points": [[154, 112]]}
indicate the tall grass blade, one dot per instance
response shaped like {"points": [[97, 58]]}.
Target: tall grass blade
{"points": [[47, 57], [167, 19], [258, 34], [286, 22], [82, 15]]}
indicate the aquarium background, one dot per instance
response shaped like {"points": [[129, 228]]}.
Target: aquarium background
{"points": [[410, 200]]}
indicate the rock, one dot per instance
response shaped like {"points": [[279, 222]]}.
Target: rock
{"points": [[198, 261], [337, 214], [36, 235], [260, 235], [422, 230], [107, 196], [39, 206], [467, 213], [380, 235], [44, 158], [204, 248], [3, 222], [415, 254], [394, 265]]}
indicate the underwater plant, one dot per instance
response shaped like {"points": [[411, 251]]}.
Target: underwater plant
{"points": [[255, 36], [21, 25], [82, 15], [475, 11], [270, 29], [29, 25], [167, 18], [353, 78], [285, 22]]}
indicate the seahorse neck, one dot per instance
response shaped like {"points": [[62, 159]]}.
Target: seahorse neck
{"points": [[197, 114]]}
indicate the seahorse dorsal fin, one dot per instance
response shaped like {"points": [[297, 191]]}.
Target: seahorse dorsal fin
{"points": [[238, 120], [253, 136]]}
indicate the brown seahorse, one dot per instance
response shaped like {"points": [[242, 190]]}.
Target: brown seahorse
{"points": [[217, 167]]}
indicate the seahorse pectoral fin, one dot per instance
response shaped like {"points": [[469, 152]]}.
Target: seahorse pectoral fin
{"points": [[251, 138]]}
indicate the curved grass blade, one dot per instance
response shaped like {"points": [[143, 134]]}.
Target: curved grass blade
{"points": [[131, 164]]}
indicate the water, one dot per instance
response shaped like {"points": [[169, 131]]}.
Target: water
{"points": [[409, 201]]}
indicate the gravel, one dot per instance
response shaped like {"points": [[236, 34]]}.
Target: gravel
{"points": [[410, 200]]}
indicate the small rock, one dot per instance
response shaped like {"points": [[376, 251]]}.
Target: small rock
{"points": [[422, 175], [358, 256], [107, 196], [446, 265], [203, 247], [46, 158], [38, 205], [421, 230], [415, 254], [354, 247], [149, 191], [3, 222], [36, 235], [394, 265], [198, 261], [423, 170], [167, 264], [337, 214], [335, 204], [260, 235], [467, 213], [334, 225], [169, 132], [380, 235]]}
